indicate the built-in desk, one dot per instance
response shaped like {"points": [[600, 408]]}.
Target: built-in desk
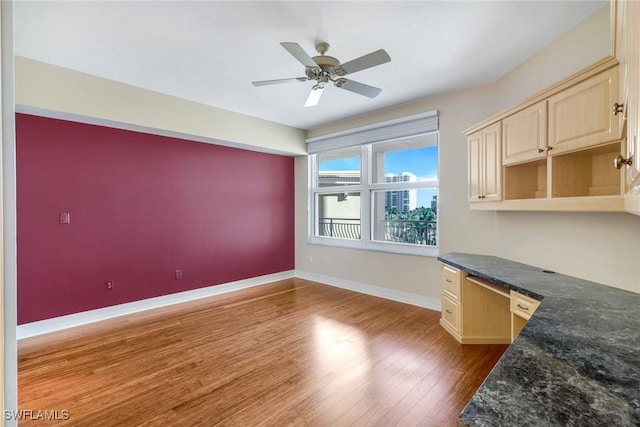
{"points": [[575, 362]]}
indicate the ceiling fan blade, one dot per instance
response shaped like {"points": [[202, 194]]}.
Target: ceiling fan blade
{"points": [[299, 53], [314, 96], [359, 88], [279, 81], [372, 59]]}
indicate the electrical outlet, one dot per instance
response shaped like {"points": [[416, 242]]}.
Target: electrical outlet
{"points": [[178, 274], [65, 218], [109, 285]]}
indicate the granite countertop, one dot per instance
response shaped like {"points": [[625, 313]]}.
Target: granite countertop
{"points": [[575, 363]]}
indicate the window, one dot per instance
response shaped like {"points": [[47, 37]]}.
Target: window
{"points": [[380, 196]]}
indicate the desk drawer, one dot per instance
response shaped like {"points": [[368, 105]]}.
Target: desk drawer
{"points": [[451, 312], [523, 305], [450, 281]]}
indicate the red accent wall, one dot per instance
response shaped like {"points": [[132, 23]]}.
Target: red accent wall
{"points": [[142, 206]]}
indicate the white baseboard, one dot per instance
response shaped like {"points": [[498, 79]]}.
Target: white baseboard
{"points": [[28, 330], [46, 326], [390, 294]]}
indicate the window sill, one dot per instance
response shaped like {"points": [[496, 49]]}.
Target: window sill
{"points": [[395, 248]]}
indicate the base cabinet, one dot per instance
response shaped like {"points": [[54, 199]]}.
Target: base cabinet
{"points": [[450, 285], [451, 316], [522, 308], [475, 311], [484, 312]]}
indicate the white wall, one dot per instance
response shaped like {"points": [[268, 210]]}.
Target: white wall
{"points": [[600, 247], [576, 49]]}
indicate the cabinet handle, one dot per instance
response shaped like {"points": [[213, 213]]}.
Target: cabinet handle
{"points": [[549, 148], [540, 150], [619, 161], [522, 307], [449, 311], [617, 108], [448, 280]]}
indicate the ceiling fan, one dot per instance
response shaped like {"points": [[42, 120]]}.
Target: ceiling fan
{"points": [[324, 69]]}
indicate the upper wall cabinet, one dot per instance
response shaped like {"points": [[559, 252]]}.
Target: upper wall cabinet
{"points": [[574, 146], [524, 135], [627, 51], [586, 114], [558, 148], [485, 171]]}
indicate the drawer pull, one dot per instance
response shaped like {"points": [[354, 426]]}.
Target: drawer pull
{"points": [[522, 307], [449, 311], [448, 280]]}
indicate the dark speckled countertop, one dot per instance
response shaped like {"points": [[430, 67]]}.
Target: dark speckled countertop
{"points": [[575, 363]]}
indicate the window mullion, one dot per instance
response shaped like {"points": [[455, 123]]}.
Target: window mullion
{"points": [[365, 195], [339, 189], [312, 183], [390, 186]]}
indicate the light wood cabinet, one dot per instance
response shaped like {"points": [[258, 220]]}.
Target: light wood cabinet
{"points": [[522, 305], [583, 115], [474, 149], [484, 164], [451, 315], [557, 149], [522, 308], [484, 309], [524, 135], [621, 35], [627, 51], [476, 311], [450, 279]]}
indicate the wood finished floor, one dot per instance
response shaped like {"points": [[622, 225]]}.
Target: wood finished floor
{"points": [[289, 353]]}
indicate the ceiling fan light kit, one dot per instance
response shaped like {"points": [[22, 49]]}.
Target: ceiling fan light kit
{"points": [[324, 69]]}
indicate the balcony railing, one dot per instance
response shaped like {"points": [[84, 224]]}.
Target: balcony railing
{"points": [[415, 232], [344, 228]]}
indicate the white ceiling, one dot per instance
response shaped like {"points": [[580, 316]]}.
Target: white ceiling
{"points": [[211, 51]]}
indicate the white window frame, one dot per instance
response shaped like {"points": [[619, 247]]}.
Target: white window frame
{"points": [[366, 188]]}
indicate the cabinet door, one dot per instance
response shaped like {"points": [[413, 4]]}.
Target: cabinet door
{"points": [[474, 142], [524, 135], [621, 44], [492, 165], [632, 88], [581, 116]]}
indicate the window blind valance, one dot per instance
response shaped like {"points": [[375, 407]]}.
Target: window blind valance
{"points": [[403, 127]]}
